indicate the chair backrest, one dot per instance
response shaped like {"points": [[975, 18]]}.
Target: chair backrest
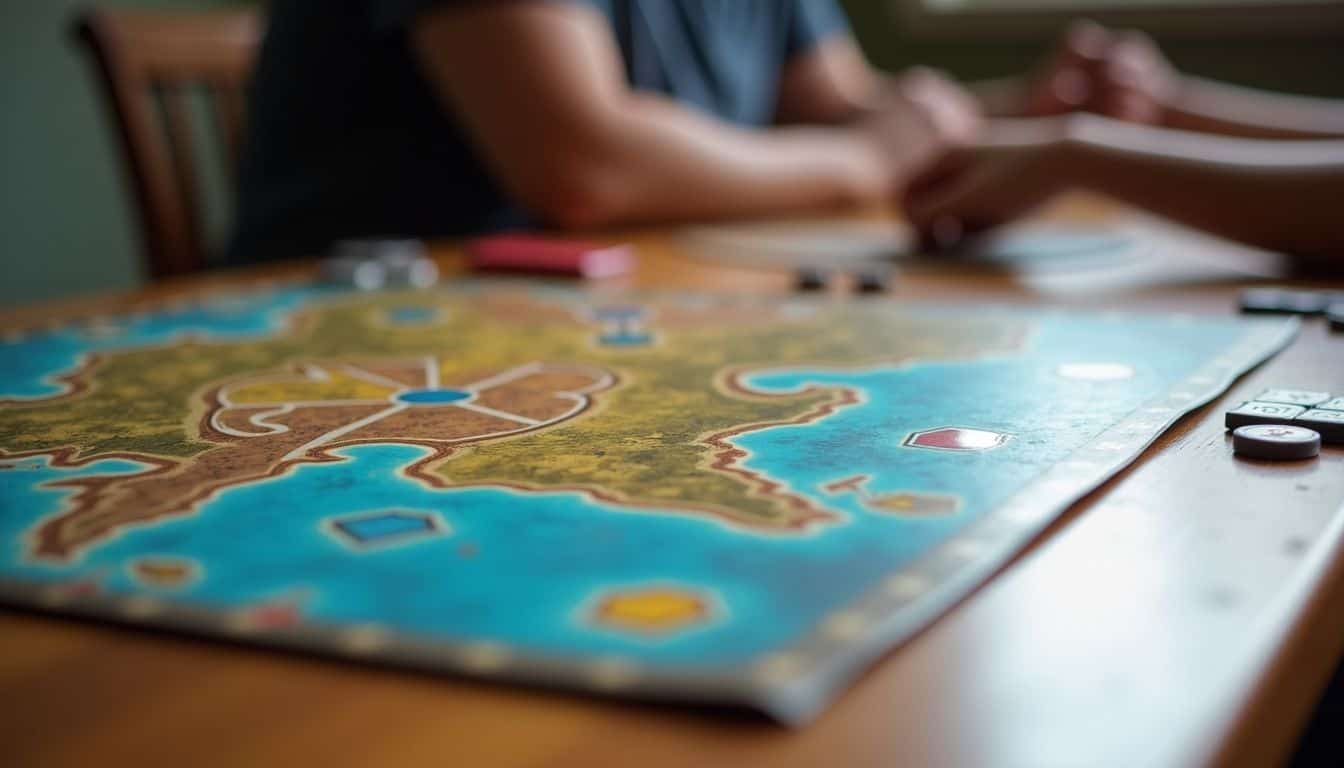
{"points": [[150, 63]]}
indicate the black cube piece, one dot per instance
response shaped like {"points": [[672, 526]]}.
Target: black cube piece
{"points": [[1262, 301], [872, 281], [1334, 314], [811, 279]]}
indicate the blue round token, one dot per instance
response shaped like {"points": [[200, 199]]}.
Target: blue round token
{"points": [[432, 396]]}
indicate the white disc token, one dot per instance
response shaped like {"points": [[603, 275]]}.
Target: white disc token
{"points": [[1276, 441], [361, 274]]}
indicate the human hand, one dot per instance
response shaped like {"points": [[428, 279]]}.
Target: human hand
{"points": [[1119, 74], [1019, 165], [922, 114]]}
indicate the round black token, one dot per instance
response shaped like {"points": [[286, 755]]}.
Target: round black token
{"points": [[1334, 315], [871, 281], [1304, 302], [1262, 301], [810, 279], [1275, 441]]}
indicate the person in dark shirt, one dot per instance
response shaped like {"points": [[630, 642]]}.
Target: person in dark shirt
{"points": [[431, 118]]}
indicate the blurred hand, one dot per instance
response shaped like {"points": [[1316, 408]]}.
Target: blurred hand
{"points": [[1017, 167], [923, 114], [1120, 74], [950, 110]]}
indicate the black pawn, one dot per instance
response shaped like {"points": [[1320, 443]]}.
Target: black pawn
{"points": [[872, 281], [810, 279]]}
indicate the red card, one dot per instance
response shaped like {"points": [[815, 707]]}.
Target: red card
{"points": [[533, 253]]}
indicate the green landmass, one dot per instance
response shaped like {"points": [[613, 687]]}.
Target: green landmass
{"points": [[643, 442]]}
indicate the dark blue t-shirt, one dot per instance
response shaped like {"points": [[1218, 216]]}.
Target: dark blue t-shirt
{"points": [[346, 138]]}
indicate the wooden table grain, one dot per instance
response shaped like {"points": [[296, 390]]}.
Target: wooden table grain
{"points": [[1188, 612]]}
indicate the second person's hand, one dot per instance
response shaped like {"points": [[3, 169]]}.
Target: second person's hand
{"points": [[1019, 165], [1117, 73], [921, 116]]}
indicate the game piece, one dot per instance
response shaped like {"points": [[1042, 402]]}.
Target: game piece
{"points": [[358, 273], [1335, 404], [1275, 441], [403, 260], [415, 272], [1292, 397], [1329, 423], [873, 280], [811, 279], [1334, 315], [1253, 412], [1262, 301], [538, 484], [1282, 301], [533, 253], [1304, 302]]}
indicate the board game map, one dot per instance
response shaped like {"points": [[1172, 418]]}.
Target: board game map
{"points": [[730, 500]]}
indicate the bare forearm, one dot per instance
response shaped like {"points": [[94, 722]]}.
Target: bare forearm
{"points": [[564, 134], [653, 160], [1212, 107], [1281, 195]]}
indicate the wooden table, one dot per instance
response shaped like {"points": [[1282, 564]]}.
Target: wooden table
{"points": [[1187, 612]]}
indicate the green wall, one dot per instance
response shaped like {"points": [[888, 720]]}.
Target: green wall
{"points": [[66, 225], [1310, 65]]}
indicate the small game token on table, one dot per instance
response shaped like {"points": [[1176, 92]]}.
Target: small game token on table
{"points": [[1261, 301], [1292, 397], [403, 260], [1276, 441], [1304, 302], [1330, 424], [1261, 413], [417, 272], [361, 274], [872, 280], [533, 253], [1334, 315], [1333, 404], [1283, 301], [810, 279]]}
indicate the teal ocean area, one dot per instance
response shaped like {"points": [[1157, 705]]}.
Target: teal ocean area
{"points": [[526, 568], [30, 365]]}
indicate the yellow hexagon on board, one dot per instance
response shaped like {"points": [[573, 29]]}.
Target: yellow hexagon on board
{"points": [[166, 572], [908, 504], [654, 611]]}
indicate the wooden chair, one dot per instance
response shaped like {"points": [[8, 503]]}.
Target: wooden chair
{"points": [[150, 63]]}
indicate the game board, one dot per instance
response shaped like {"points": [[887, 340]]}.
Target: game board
{"points": [[731, 500]]}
